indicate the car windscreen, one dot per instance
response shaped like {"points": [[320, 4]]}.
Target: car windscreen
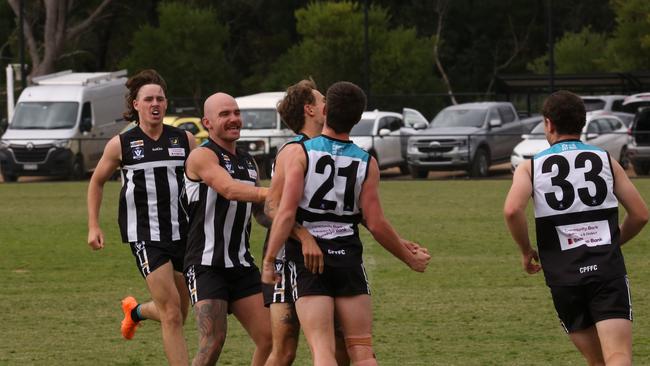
{"points": [[258, 119], [537, 133], [459, 118], [363, 128], [44, 115], [593, 104]]}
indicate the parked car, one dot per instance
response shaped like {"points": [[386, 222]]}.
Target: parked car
{"points": [[602, 129], [609, 103], [469, 136], [191, 124], [263, 132], [638, 146], [62, 123], [385, 135]]}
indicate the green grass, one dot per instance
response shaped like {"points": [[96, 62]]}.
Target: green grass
{"points": [[473, 306]]}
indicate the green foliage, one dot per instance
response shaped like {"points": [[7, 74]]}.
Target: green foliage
{"points": [[187, 48], [332, 49], [575, 53], [629, 48]]}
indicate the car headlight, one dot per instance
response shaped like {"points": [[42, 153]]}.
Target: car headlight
{"points": [[255, 146], [62, 144]]}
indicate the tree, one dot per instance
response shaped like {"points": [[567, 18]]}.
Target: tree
{"points": [[570, 52], [629, 47], [46, 43], [187, 48], [331, 49]]}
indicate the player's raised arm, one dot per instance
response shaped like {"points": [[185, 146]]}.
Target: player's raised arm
{"points": [[202, 164], [380, 228]]}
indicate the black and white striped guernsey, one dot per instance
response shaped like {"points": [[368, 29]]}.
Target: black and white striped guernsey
{"points": [[152, 180], [576, 214], [219, 228]]}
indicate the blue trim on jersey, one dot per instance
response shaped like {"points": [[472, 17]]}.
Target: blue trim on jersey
{"points": [[568, 145], [336, 147]]}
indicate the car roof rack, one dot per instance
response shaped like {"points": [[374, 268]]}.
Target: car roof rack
{"points": [[68, 77]]}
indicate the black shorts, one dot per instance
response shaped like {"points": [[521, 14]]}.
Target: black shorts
{"points": [[280, 293], [149, 255], [333, 282], [580, 307], [229, 284]]}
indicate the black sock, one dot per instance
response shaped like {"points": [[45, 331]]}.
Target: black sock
{"points": [[135, 314]]}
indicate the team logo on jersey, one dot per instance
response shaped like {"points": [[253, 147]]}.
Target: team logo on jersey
{"points": [[174, 141], [138, 152], [137, 143], [227, 163], [336, 149], [252, 173]]}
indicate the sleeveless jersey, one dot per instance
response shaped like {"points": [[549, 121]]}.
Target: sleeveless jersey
{"points": [[297, 139], [152, 179], [329, 207], [220, 228], [576, 214]]}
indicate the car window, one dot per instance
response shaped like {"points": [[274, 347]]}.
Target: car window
{"points": [[593, 104], [617, 106], [189, 126], [258, 119], [592, 127], [459, 118], [384, 122], [507, 115], [616, 124], [395, 123], [363, 128], [604, 126], [494, 114]]}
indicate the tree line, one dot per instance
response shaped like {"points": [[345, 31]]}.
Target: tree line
{"points": [[415, 48]]}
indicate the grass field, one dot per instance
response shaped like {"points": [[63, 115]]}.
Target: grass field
{"points": [[473, 306]]}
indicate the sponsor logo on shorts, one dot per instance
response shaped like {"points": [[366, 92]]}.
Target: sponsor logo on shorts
{"points": [[336, 252]]}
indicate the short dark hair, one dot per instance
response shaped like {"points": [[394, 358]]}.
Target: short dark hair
{"points": [[144, 77], [567, 112], [292, 107], [345, 104]]}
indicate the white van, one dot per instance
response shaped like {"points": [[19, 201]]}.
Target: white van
{"points": [[62, 123], [263, 131]]}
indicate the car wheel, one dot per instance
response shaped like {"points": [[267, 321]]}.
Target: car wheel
{"points": [[77, 172], [480, 165], [404, 169], [418, 173], [624, 160], [9, 177], [641, 168]]}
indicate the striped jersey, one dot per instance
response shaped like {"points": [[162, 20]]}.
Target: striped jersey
{"points": [[329, 207], [220, 228], [576, 214], [152, 179], [297, 139]]}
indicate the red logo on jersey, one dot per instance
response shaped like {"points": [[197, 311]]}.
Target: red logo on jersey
{"points": [[570, 241]]}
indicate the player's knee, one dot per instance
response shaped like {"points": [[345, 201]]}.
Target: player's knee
{"points": [[619, 359], [360, 350]]}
